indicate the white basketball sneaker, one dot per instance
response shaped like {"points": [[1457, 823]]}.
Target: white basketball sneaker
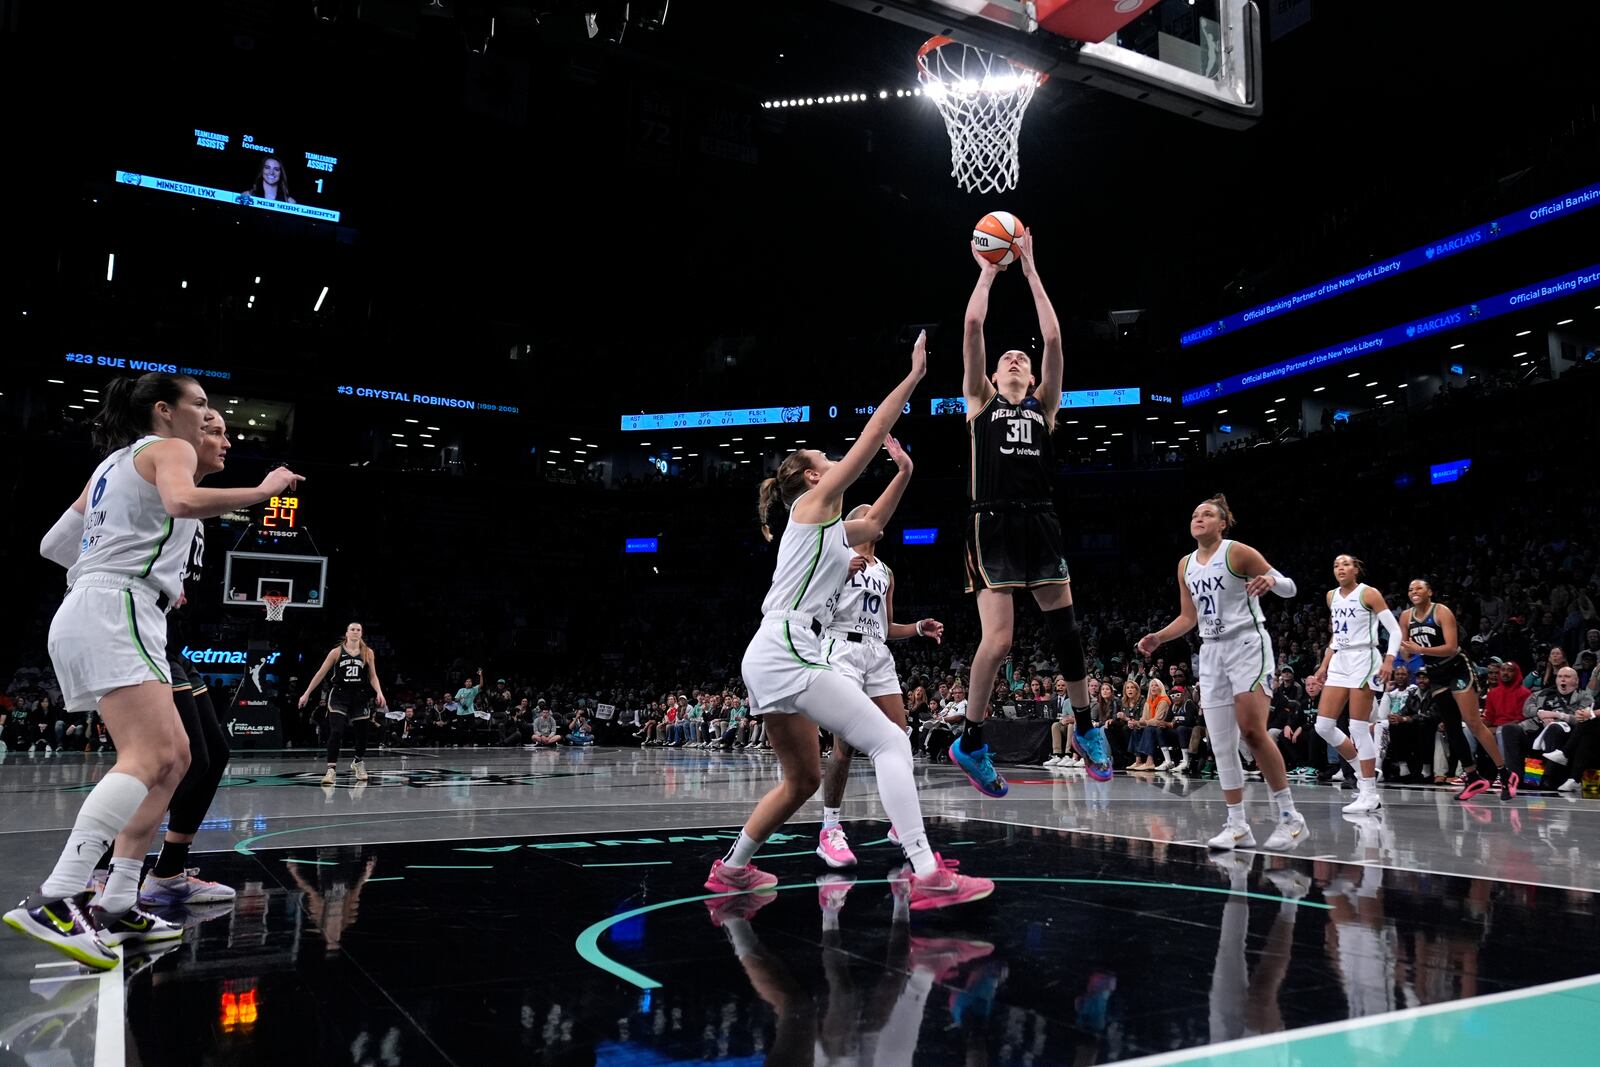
{"points": [[1234, 836]]}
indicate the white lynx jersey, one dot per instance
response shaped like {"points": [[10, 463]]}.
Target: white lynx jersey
{"points": [[1354, 624], [127, 531], [864, 602], [1223, 609], [813, 560]]}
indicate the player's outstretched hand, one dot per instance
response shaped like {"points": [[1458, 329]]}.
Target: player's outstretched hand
{"points": [[919, 355], [280, 480], [897, 452]]}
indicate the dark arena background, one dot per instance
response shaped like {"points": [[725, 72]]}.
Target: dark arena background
{"points": [[553, 288]]}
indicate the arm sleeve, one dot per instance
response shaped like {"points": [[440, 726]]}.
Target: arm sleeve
{"points": [[1391, 626], [1285, 586], [61, 544]]}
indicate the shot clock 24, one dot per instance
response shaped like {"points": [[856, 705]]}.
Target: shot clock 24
{"points": [[281, 514]]}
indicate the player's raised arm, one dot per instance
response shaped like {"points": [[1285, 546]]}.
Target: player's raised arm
{"points": [[844, 473], [1050, 370], [870, 527], [975, 385]]}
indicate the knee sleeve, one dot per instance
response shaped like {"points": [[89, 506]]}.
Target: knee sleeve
{"points": [[1067, 640], [1361, 734], [1328, 730], [1223, 731]]}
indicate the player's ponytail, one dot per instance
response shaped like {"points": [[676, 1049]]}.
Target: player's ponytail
{"points": [[127, 406], [787, 485], [1220, 502], [769, 496]]}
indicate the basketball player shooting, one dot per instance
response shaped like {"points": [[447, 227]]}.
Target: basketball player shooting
{"points": [[1013, 537]]}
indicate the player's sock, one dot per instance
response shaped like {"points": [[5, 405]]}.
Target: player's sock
{"points": [[972, 736], [830, 818], [105, 811], [742, 852]]}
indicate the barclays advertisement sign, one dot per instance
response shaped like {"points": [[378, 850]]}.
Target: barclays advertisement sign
{"points": [[1478, 236], [1441, 322]]}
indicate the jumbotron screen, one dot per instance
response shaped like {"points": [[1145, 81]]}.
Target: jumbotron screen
{"points": [[251, 167]]}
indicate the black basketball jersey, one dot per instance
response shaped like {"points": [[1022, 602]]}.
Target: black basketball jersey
{"points": [[351, 670], [1429, 634], [1012, 459], [176, 635], [196, 558]]}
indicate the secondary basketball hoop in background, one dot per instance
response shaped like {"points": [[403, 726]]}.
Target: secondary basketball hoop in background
{"points": [[275, 606], [982, 98]]}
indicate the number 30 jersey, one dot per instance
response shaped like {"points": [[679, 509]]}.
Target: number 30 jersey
{"points": [[1012, 460], [1220, 603]]}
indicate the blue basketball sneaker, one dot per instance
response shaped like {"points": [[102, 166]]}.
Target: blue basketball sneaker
{"points": [[980, 770], [1096, 753]]}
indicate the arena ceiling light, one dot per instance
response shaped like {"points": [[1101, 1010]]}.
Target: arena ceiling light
{"points": [[111, 265], [1380, 396], [1319, 389], [1518, 355], [320, 298], [434, 428], [1273, 419], [1563, 322], [1222, 411], [1280, 399], [1371, 385], [414, 421], [1151, 418], [1523, 333], [1462, 344], [1353, 374]]}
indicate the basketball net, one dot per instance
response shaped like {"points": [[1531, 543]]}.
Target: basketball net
{"points": [[275, 607], [982, 98]]}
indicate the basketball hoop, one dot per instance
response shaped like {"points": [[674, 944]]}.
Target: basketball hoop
{"points": [[275, 606], [981, 97]]}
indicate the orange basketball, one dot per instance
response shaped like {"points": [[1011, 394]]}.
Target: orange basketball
{"points": [[995, 237]]}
